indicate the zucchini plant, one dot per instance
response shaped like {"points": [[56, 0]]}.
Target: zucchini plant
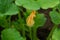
{"points": [[31, 20]]}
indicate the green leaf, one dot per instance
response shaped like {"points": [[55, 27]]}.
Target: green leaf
{"points": [[36, 4], [28, 4], [55, 17], [18, 25], [59, 7], [11, 34], [56, 34], [4, 5], [13, 10], [48, 3], [3, 22], [40, 20], [7, 7]]}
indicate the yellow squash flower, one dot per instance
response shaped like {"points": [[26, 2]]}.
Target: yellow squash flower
{"points": [[30, 19]]}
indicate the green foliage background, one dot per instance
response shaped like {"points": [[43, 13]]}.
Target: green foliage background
{"points": [[9, 8]]}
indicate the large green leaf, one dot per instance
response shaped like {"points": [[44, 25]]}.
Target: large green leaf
{"points": [[11, 34], [4, 5], [56, 34], [13, 9], [55, 17], [36, 4], [28, 4], [8, 8], [48, 3], [40, 20]]}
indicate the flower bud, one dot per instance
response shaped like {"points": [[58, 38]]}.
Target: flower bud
{"points": [[30, 19]]}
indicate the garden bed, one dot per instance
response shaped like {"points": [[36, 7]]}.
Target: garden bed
{"points": [[29, 20]]}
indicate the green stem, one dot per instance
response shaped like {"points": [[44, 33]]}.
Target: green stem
{"points": [[30, 33], [6, 23], [50, 35], [34, 34], [9, 21], [23, 29]]}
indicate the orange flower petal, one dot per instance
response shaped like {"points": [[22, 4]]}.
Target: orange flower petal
{"points": [[30, 19]]}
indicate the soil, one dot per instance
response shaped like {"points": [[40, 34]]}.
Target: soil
{"points": [[42, 32]]}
